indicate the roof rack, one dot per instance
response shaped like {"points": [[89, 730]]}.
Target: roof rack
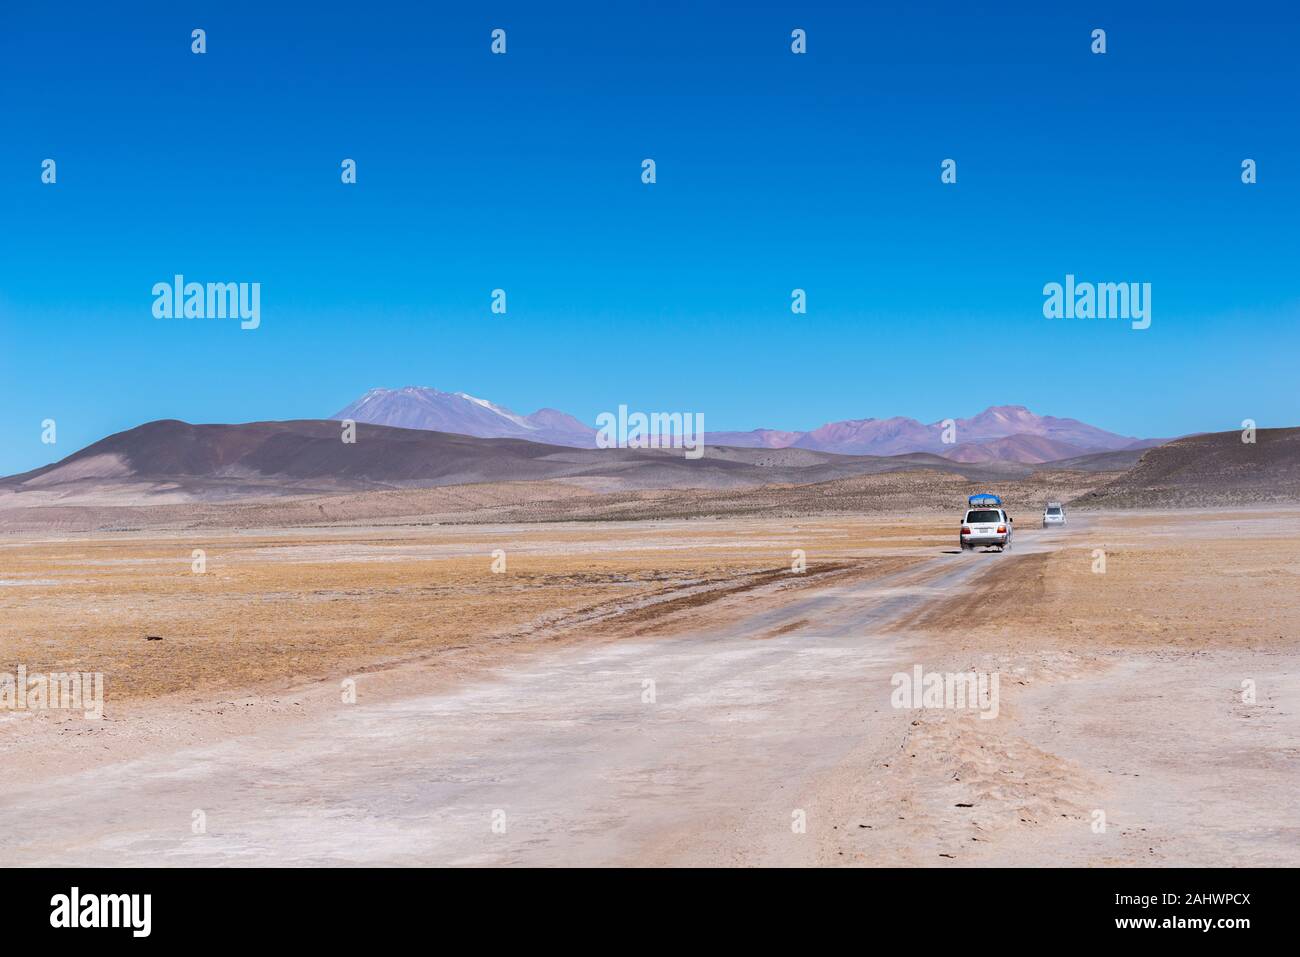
{"points": [[984, 500]]}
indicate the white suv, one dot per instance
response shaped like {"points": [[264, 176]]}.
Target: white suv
{"points": [[985, 526], [1054, 514]]}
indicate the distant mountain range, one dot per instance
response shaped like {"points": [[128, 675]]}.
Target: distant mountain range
{"points": [[421, 438], [169, 460], [1004, 433]]}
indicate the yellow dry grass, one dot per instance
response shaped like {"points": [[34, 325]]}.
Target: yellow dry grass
{"points": [[288, 606], [1180, 581]]}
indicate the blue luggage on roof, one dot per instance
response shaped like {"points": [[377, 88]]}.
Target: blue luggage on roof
{"points": [[984, 500]]}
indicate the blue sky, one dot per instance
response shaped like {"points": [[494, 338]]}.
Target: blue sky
{"points": [[522, 172]]}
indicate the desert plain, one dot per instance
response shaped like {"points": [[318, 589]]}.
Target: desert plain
{"points": [[615, 679]]}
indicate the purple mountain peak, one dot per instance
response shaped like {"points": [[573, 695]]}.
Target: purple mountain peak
{"points": [[1000, 432]]}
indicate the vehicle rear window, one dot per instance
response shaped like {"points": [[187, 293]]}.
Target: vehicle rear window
{"points": [[984, 515], [1053, 511]]}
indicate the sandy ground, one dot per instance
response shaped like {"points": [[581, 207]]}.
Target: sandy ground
{"points": [[277, 609], [660, 693], [65, 511]]}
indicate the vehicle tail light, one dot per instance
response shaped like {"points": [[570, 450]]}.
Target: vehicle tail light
{"points": [[965, 531], [1002, 529]]}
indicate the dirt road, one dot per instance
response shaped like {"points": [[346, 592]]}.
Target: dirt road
{"points": [[768, 740], [615, 754]]}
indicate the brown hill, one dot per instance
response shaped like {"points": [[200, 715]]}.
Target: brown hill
{"points": [[1217, 468], [175, 461]]}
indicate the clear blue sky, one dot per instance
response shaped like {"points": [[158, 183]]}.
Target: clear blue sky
{"points": [[522, 171]]}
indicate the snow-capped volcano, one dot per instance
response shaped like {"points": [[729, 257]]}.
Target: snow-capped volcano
{"points": [[505, 413], [419, 407]]}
